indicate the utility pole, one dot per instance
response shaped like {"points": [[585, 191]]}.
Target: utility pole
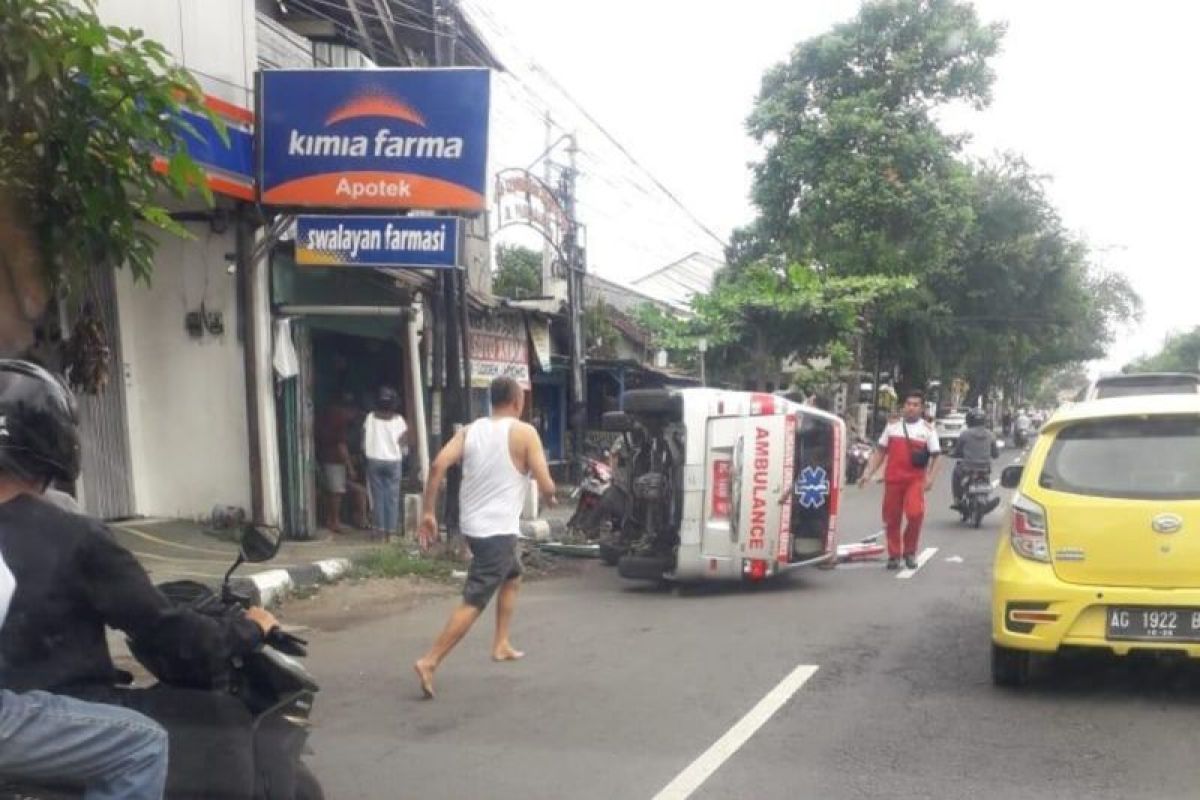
{"points": [[451, 325], [576, 267], [548, 177]]}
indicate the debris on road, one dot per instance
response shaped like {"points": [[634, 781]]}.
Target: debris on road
{"points": [[866, 550], [572, 550]]}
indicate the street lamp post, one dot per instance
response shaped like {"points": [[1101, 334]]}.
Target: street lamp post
{"points": [[702, 346]]}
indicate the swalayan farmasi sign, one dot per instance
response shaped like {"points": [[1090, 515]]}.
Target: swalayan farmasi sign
{"points": [[373, 241]]}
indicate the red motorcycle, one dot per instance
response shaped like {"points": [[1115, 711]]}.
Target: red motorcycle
{"points": [[597, 480]]}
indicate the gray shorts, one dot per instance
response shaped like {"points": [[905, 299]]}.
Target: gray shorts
{"points": [[494, 560], [333, 478]]}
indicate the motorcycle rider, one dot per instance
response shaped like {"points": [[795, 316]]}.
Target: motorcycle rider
{"points": [[76, 579], [113, 753], [975, 450]]}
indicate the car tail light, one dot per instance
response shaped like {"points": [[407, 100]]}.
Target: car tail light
{"points": [[1028, 530]]}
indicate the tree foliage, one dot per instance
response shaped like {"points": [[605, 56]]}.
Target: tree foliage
{"points": [[518, 272], [1179, 353], [1021, 295], [859, 181], [87, 108], [857, 176], [763, 314]]}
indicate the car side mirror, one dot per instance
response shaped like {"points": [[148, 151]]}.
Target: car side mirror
{"points": [[617, 422], [1010, 478], [259, 544]]}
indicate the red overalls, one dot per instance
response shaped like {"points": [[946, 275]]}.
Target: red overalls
{"points": [[904, 493]]}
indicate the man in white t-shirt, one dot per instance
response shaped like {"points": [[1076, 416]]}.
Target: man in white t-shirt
{"points": [[384, 435]]}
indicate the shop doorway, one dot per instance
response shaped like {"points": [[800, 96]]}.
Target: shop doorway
{"points": [[344, 361]]}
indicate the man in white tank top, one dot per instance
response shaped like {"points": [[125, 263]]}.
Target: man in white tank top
{"points": [[498, 454]]}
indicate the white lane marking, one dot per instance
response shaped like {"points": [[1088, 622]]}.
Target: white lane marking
{"points": [[954, 560], [711, 759], [926, 554]]}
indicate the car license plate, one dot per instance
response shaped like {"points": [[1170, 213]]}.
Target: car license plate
{"points": [[1145, 624]]}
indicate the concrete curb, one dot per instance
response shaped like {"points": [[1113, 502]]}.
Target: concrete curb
{"points": [[274, 585]]}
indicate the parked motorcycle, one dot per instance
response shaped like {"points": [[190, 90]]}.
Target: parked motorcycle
{"points": [[597, 481], [276, 688], [856, 460]]}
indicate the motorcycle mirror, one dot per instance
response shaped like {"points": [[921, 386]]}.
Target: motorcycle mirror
{"points": [[617, 422], [259, 544]]}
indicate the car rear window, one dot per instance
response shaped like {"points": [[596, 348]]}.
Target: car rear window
{"points": [[1137, 458], [1132, 387]]}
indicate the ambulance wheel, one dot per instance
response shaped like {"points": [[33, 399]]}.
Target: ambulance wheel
{"points": [[610, 555], [650, 401], [643, 568], [1010, 668]]}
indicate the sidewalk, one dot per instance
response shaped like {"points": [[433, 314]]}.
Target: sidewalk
{"points": [[182, 550], [178, 549]]}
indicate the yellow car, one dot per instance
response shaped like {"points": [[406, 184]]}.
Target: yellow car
{"points": [[1102, 543]]}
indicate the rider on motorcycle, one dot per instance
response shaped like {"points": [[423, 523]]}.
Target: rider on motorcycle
{"points": [[76, 579], [975, 449]]}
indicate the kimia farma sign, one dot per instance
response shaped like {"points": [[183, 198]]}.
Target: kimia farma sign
{"points": [[374, 138]]}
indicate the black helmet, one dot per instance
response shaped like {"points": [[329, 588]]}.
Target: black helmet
{"points": [[39, 437], [975, 418]]}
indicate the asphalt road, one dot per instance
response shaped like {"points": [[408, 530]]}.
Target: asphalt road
{"points": [[626, 689]]}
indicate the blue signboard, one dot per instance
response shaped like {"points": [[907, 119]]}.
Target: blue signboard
{"points": [[374, 138], [376, 241], [227, 160], [231, 159]]}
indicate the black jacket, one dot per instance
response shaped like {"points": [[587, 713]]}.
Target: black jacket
{"points": [[73, 579]]}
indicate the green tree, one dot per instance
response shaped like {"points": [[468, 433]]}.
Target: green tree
{"points": [[87, 108], [518, 272], [764, 313], [1021, 297], [600, 335], [857, 176], [1179, 353]]}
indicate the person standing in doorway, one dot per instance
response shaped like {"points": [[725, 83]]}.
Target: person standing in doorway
{"points": [[338, 474], [910, 447], [384, 435], [498, 454]]}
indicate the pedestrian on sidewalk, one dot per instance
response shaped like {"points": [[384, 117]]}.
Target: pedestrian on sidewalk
{"points": [[910, 447], [338, 473], [498, 454], [384, 436]]}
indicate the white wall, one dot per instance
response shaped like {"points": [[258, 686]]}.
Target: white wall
{"points": [[186, 396], [215, 39]]}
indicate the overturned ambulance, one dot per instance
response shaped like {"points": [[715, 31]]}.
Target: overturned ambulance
{"points": [[725, 485]]}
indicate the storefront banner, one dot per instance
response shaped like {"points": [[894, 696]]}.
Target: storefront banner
{"points": [[227, 158], [326, 241], [374, 138], [539, 334], [499, 347]]}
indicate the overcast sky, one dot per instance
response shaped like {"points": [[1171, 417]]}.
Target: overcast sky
{"points": [[1101, 96]]}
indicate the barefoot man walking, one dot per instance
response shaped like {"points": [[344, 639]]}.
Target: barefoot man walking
{"points": [[498, 454]]}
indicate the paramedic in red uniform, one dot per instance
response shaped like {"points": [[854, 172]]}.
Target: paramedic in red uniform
{"points": [[910, 447]]}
